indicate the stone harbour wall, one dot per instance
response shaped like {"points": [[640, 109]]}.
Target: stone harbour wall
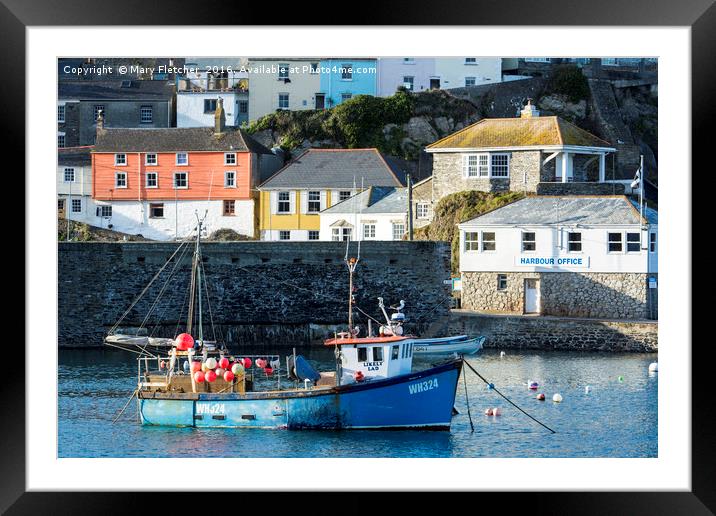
{"points": [[551, 333], [286, 293], [569, 294]]}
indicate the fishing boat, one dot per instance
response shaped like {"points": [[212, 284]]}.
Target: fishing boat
{"points": [[372, 385], [458, 344]]}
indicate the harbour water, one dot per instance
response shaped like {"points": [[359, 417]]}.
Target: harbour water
{"points": [[615, 417]]}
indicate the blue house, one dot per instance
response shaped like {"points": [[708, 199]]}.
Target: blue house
{"points": [[342, 79]]}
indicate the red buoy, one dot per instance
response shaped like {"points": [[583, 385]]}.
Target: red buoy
{"points": [[210, 376], [195, 366], [199, 377], [268, 370], [247, 363], [359, 376], [228, 376], [224, 363], [184, 341], [260, 362]]}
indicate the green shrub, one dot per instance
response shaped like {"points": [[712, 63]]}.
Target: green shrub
{"points": [[570, 81]]}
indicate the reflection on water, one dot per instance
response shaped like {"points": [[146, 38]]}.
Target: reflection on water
{"points": [[614, 419]]}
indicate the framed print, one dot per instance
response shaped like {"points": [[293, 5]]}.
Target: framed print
{"points": [[430, 273]]}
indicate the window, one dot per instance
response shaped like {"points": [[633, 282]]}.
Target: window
{"points": [[284, 235], [283, 100], [343, 195], [145, 114], [104, 211], [378, 354], [574, 242], [477, 165], [368, 230], [229, 208], [529, 242], [69, 175], [502, 282], [409, 82], [76, 205], [362, 354], [395, 352], [209, 105], [500, 165], [120, 160], [421, 210], [314, 68], [470, 60], [314, 235], [283, 71], [230, 179], [60, 205], [120, 180], [346, 96], [152, 180], [150, 159], [61, 113], [181, 180], [346, 72], [97, 109], [243, 107], [614, 242], [488, 241], [471, 243], [469, 81], [314, 202], [284, 202], [156, 211], [61, 140], [182, 158], [398, 230], [229, 158], [341, 234], [652, 242], [633, 242]]}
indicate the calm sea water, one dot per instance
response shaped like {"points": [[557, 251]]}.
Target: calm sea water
{"points": [[615, 419]]}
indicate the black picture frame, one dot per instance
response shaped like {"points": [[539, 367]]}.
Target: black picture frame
{"points": [[700, 15]]}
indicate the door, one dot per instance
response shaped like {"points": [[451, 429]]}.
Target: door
{"points": [[61, 208], [435, 84], [532, 297], [320, 101]]}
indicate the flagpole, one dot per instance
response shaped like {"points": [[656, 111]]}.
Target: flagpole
{"points": [[641, 188]]}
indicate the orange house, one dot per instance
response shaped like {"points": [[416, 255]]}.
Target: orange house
{"points": [[154, 182]]}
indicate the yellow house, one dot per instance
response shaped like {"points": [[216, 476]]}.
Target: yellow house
{"points": [[293, 197]]}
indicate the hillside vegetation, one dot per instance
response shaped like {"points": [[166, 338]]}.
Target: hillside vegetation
{"points": [[460, 207]]}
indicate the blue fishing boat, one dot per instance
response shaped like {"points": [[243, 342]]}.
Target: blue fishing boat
{"points": [[198, 383]]}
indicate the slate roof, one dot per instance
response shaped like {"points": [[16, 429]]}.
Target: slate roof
{"points": [[519, 132], [568, 210], [77, 156], [174, 139], [113, 90], [335, 168], [376, 199]]}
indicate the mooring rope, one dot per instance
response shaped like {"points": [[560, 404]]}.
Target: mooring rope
{"points": [[492, 387], [136, 391], [467, 400]]}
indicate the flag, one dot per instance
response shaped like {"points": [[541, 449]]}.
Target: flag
{"points": [[637, 179]]}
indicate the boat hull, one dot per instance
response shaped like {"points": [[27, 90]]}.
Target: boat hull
{"points": [[418, 400], [461, 347]]}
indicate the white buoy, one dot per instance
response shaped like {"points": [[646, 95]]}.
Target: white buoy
{"points": [[653, 367], [488, 412], [502, 354], [587, 389], [557, 398], [496, 411]]}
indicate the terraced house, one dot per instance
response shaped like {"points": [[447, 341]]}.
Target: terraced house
{"points": [[292, 199], [155, 182], [532, 153]]}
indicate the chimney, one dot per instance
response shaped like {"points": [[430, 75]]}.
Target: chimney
{"points": [[219, 117], [529, 111], [100, 121]]}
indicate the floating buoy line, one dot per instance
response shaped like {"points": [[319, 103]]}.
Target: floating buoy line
{"points": [[491, 386]]}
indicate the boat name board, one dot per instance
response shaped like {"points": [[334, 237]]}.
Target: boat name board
{"points": [[372, 366], [427, 385]]}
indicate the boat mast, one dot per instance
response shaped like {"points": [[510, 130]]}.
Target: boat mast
{"points": [[193, 287]]}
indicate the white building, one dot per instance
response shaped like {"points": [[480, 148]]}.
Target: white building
{"points": [[378, 213], [429, 73], [74, 184], [566, 256]]}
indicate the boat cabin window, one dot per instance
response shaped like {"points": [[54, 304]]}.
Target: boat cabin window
{"points": [[378, 354], [362, 354], [396, 351]]}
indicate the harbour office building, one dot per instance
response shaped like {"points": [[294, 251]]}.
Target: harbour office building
{"points": [[574, 256]]}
